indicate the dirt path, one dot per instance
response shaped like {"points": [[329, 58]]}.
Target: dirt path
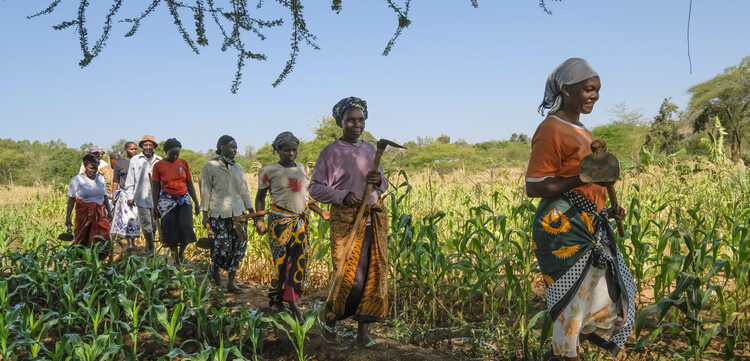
{"points": [[276, 346]]}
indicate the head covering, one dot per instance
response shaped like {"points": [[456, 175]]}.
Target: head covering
{"points": [[172, 143], [96, 149], [284, 138], [90, 158], [148, 138], [571, 71], [344, 104], [224, 139]]}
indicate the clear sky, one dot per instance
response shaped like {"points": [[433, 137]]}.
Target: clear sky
{"points": [[476, 74]]}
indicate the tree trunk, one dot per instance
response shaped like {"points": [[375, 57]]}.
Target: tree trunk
{"points": [[736, 146]]}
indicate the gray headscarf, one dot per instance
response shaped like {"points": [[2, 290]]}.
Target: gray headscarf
{"points": [[571, 71], [284, 138]]}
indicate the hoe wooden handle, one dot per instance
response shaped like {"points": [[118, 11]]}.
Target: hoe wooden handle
{"points": [[357, 220], [615, 206]]}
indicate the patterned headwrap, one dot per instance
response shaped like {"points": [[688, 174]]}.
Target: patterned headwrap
{"points": [[171, 143], [342, 106], [284, 138], [224, 139], [571, 71]]}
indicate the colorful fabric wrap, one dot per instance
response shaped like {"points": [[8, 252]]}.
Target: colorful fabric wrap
{"points": [[125, 222], [176, 219], [570, 236], [168, 202], [368, 291], [288, 237], [91, 224], [339, 110]]}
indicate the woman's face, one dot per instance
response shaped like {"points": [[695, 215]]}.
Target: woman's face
{"points": [[287, 153], [353, 124], [90, 170], [131, 150], [229, 150], [580, 97], [173, 153]]}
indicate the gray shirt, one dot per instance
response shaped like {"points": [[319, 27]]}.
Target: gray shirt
{"points": [[224, 191], [138, 183]]}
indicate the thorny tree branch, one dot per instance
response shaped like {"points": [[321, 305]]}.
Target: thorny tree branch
{"points": [[239, 20]]}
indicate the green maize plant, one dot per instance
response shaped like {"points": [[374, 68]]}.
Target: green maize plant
{"points": [[172, 324], [247, 326], [132, 309], [34, 330], [298, 329], [102, 348], [94, 316]]}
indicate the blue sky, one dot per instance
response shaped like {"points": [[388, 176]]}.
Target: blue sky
{"points": [[476, 74]]}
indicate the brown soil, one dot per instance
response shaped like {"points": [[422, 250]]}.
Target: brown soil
{"points": [[276, 345]]}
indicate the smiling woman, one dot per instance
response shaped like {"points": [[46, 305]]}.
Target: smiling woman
{"points": [[590, 293]]}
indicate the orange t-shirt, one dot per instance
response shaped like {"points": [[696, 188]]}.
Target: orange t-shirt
{"points": [[557, 149], [172, 175]]}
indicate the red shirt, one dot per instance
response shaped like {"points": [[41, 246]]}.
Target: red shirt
{"points": [[172, 175]]}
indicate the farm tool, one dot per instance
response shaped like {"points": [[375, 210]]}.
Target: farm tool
{"points": [[602, 167], [208, 242], [381, 145]]}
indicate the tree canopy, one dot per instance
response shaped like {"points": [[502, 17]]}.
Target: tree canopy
{"points": [[726, 96], [237, 22]]}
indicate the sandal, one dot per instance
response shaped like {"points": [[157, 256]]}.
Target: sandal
{"points": [[234, 289], [372, 344]]}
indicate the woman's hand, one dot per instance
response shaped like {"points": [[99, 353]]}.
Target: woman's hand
{"points": [[618, 214], [197, 209], [130, 203], [374, 178], [325, 214], [351, 199], [155, 213], [209, 231], [260, 226]]}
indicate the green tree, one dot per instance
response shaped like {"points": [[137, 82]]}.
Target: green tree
{"points": [[118, 146], [443, 139], [663, 132], [240, 23], [625, 134], [727, 96]]}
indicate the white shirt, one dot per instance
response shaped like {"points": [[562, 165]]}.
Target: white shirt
{"points": [[224, 191], [138, 183], [88, 190]]}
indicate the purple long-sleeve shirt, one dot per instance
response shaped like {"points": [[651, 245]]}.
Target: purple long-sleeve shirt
{"points": [[342, 168]]}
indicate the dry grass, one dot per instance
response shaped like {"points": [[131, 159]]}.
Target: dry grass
{"points": [[20, 195]]}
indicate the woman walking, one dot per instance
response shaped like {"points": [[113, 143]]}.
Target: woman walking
{"points": [[125, 223], [171, 183], [590, 292], [340, 178], [88, 194], [288, 218], [224, 195]]}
